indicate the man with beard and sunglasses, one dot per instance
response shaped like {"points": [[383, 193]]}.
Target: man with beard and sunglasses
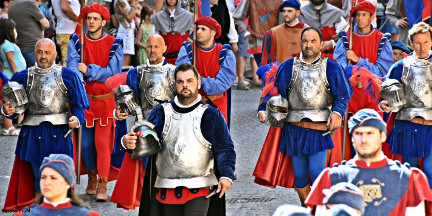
{"points": [[388, 187], [316, 94], [325, 17], [56, 103], [194, 137], [103, 58]]}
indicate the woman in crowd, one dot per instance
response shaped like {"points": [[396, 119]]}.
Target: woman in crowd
{"points": [[13, 61]]}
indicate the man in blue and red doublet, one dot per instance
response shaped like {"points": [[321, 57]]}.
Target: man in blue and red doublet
{"points": [[174, 24], [388, 186], [41, 133], [103, 57], [302, 137], [411, 134], [215, 63]]}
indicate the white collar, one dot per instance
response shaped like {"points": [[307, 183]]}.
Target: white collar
{"points": [[183, 106], [155, 65], [57, 203]]}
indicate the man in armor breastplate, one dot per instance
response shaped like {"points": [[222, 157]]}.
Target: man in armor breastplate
{"points": [[53, 92], [411, 135], [317, 93], [388, 187], [194, 137], [154, 85]]}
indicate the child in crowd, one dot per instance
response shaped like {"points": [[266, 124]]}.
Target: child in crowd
{"points": [[145, 30]]}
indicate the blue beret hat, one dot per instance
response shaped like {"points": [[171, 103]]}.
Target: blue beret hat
{"points": [[401, 46], [61, 163], [367, 117], [290, 3]]}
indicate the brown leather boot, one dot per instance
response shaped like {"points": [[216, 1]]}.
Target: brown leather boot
{"points": [[303, 193], [101, 190], [92, 182]]}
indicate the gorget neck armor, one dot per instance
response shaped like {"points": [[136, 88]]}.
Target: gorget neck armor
{"points": [[186, 159], [417, 85], [309, 93], [155, 86], [48, 97]]}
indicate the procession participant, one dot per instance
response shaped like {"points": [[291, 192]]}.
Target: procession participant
{"points": [[174, 24], [57, 186], [215, 63], [103, 58], [388, 186], [53, 92], [316, 102], [412, 130], [187, 126], [282, 41], [263, 15], [325, 17], [153, 84]]}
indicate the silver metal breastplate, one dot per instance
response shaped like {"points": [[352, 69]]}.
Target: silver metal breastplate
{"points": [[155, 86], [417, 85], [47, 97], [186, 159], [309, 92]]}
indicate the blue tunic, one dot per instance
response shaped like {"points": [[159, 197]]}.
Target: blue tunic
{"points": [[36, 142], [406, 138], [214, 130], [298, 141]]}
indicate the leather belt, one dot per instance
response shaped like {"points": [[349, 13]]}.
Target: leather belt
{"points": [[322, 126], [214, 97], [101, 97], [421, 121]]}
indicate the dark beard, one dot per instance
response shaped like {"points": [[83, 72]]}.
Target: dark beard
{"points": [[186, 100], [310, 57], [370, 155]]}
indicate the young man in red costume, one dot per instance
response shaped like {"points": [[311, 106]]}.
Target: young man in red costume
{"points": [[371, 52], [174, 24], [389, 187], [103, 58], [215, 63]]}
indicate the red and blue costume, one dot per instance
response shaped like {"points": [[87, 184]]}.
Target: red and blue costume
{"points": [[36, 142], [61, 209], [388, 186]]}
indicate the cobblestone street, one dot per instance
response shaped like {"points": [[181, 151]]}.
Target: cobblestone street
{"points": [[244, 198]]}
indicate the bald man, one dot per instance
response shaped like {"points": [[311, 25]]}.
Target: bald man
{"points": [[153, 83], [56, 103]]}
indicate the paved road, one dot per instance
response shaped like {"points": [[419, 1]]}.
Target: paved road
{"points": [[244, 198]]}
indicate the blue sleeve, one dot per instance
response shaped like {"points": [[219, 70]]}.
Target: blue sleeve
{"points": [[215, 130], [101, 74], [224, 79], [78, 99], [283, 77], [183, 57], [395, 71], [262, 73], [132, 79], [383, 63], [339, 53], [340, 87], [73, 55]]}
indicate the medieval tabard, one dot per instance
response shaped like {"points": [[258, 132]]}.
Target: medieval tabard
{"points": [[263, 15], [309, 93], [417, 85], [187, 156], [155, 86], [48, 97]]}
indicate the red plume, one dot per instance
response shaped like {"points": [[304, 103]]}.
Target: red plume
{"points": [[366, 80], [115, 81], [270, 82]]}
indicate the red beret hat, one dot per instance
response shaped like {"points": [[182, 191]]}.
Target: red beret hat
{"points": [[97, 8], [211, 23], [363, 6]]}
